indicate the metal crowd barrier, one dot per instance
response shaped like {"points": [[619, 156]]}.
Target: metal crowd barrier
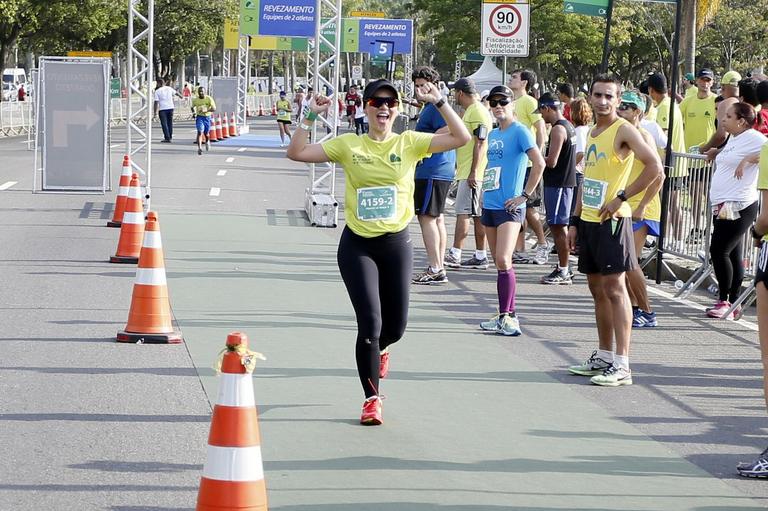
{"points": [[15, 117]]}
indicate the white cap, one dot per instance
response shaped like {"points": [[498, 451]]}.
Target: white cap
{"points": [[484, 94]]}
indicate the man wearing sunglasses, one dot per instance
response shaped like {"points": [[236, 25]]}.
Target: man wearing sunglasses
{"points": [[433, 179], [471, 160], [602, 223]]}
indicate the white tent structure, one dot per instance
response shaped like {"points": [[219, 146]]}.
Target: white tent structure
{"points": [[488, 76]]}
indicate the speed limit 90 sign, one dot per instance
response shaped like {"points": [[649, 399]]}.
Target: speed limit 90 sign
{"points": [[505, 28]]}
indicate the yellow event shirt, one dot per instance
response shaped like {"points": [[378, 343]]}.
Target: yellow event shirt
{"points": [[378, 175], [678, 139], [653, 209], [474, 116], [652, 113], [605, 173], [524, 108], [283, 107], [699, 117], [762, 176], [203, 106]]}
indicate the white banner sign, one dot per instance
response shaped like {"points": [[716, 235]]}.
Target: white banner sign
{"points": [[505, 28]]}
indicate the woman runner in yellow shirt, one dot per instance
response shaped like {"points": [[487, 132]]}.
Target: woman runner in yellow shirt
{"points": [[375, 246]]}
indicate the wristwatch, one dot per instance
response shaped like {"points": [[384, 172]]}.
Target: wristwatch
{"points": [[440, 103], [621, 195]]}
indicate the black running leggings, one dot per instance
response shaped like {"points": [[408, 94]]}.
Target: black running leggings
{"points": [[726, 250], [377, 274]]}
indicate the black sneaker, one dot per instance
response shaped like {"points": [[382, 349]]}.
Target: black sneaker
{"points": [[199, 152], [427, 277], [757, 468], [558, 277], [474, 262]]}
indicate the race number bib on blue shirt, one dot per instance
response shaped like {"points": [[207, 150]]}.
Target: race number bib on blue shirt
{"points": [[491, 179], [377, 203], [593, 193]]}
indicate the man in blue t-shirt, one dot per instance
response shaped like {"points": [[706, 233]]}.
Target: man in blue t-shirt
{"points": [[433, 179]]}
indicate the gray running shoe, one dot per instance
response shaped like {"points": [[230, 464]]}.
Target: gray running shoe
{"points": [[510, 325], [521, 258], [558, 278], [451, 261], [474, 262], [492, 325], [427, 277], [593, 366], [613, 376], [542, 254]]}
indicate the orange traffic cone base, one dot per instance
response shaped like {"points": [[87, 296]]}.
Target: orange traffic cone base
{"points": [[114, 224], [174, 337], [124, 259]]}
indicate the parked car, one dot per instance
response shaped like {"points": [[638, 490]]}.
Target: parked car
{"points": [[9, 92]]}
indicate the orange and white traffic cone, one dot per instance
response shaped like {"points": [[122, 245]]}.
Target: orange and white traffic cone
{"points": [[232, 126], [224, 126], [132, 227], [261, 109], [233, 474], [149, 319], [274, 108], [122, 193], [212, 136], [217, 123]]}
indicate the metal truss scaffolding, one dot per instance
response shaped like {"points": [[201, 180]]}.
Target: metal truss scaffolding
{"points": [[140, 85], [325, 56], [243, 77]]}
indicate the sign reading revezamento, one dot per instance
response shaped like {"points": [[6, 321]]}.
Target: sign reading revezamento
{"points": [[505, 28]]}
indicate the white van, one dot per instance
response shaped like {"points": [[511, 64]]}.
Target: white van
{"points": [[14, 75]]}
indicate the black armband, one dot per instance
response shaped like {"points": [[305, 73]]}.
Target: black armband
{"points": [[481, 132]]}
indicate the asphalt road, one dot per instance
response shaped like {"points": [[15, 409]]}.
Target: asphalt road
{"points": [[473, 422]]}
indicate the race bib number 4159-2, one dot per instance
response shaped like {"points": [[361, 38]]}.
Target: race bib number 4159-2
{"points": [[377, 203]]}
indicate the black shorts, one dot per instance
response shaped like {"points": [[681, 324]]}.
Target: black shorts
{"points": [[761, 268], [535, 200], [283, 121], [496, 217], [606, 247], [429, 196]]}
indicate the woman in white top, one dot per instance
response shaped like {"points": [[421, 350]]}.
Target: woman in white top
{"points": [[582, 118], [733, 197]]}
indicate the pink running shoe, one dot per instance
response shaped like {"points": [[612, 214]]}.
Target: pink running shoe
{"points": [[384, 365], [371, 412], [719, 310]]}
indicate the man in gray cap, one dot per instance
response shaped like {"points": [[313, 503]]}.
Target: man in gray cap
{"points": [[471, 160]]}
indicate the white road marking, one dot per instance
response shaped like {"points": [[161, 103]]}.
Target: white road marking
{"points": [[242, 149], [7, 185], [669, 296], [229, 160], [214, 192], [221, 173]]}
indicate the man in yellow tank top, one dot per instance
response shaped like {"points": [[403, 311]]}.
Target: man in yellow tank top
{"points": [[602, 223]]}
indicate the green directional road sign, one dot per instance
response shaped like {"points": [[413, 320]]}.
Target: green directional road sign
{"points": [[114, 88], [586, 7]]}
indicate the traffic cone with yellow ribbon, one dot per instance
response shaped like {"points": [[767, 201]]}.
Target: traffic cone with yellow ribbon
{"points": [[149, 319], [233, 474]]}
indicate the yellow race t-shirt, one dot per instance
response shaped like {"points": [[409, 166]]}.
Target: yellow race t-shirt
{"points": [[653, 209], [474, 116], [525, 106], [379, 179], [699, 117], [283, 107], [762, 176], [203, 106], [605, 173], [652, 113], [678, 139]]}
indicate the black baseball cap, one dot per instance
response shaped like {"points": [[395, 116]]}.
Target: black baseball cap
{"points": [[547, 100], [376, 85], [705, 73], [501, 90], [464, 85]]}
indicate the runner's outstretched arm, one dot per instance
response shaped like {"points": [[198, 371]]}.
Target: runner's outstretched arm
{"points": [[299, 149]]}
